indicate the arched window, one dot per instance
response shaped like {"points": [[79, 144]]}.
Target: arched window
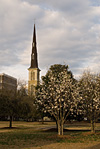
{"points": [[32, 75]]}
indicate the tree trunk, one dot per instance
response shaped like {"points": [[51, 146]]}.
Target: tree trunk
{"points": [[92, 126], [57, 125], [10, 125], [42, 120], [59, 128], [62, 127]]}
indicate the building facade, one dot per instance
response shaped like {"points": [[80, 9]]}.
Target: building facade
{"points": [[34, 71], [8, 83]]}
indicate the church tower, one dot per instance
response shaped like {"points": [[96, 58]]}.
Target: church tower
{"points": [[34, 71]]}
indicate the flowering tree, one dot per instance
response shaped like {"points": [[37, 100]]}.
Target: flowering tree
{"points": [[89, 105], [57, 94]]}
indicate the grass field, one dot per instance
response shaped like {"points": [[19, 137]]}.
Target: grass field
{"points": [[30, 135]]}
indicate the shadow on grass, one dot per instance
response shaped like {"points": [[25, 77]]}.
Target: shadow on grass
{"points": [[69, 131], [10, 128], [66, 130], [30, 138]]}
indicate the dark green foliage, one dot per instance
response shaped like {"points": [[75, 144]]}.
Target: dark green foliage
{"points": [[56, 69], [4, 105], [15, 107]]}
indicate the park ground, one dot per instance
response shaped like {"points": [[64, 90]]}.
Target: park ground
{"points": [[35, 135]]}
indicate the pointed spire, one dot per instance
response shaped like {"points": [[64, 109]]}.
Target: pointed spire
{"points": [[34, 35], [34, 62]]}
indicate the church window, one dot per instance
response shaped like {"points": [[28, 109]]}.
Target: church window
{"points": [[32, 75]]}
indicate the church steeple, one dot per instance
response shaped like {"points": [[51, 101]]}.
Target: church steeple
{"points": [[34, 71], [34, 35], [34, 62]]}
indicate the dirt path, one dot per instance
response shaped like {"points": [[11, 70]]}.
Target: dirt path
{"points": [[97, 146], [93, 145]]}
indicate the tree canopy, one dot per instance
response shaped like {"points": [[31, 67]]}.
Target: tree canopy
{"points": [[57, 93], [89, 104]]}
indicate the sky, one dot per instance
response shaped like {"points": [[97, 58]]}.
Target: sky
{"points": [[67, 31]]}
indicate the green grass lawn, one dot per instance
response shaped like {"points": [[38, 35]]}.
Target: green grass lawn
{"points": [[30, 134]]}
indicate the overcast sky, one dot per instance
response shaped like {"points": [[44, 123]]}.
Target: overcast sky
{"points": [[68, 32]]}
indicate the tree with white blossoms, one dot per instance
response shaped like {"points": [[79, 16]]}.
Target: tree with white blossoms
{"points": [[89, 86], [57, 94]]}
